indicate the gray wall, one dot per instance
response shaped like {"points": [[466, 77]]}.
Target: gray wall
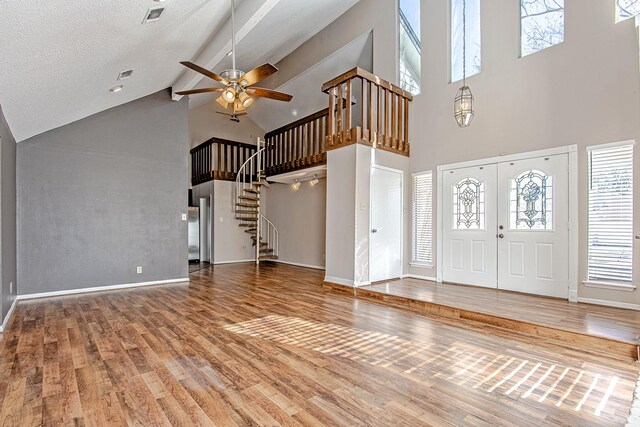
{"points": [[584, 91], [102, 195], [7, 215], [300, 217]]}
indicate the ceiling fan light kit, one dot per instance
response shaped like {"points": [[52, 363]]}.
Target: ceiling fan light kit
{"points": [[237, 84]]}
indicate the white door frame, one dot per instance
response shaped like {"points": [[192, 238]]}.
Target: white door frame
{"points": [[401, 172], [572, 151]]}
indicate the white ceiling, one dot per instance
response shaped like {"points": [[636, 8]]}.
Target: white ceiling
{"points": [[58, 59], [305, 87], [287, 26]]}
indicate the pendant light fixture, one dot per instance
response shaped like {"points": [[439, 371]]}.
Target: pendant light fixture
{"points": [[463, 104]]}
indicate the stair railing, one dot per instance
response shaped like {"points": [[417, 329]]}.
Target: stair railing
{"points": [[253, 170], [250, 171], [271, 235]]}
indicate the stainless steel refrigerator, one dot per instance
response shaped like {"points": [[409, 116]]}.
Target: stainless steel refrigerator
{"points": [[194, 234]]}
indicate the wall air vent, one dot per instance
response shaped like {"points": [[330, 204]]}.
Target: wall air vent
{"points": [[153, 14], [125, 74]]}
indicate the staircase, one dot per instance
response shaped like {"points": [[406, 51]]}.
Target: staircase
{"points": [[250, 179]]}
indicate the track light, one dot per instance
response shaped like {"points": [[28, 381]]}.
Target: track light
{"points": [[314, 181], [295, 185], [229, 94], [222, 102], [245, 99]]}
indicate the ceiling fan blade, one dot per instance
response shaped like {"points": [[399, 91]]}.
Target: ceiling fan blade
{"points": [[204, 90], [268, 93], [205, 72], [257, 74]]}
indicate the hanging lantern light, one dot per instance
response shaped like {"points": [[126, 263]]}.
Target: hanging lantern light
{"points": [[463, 103], [463, 106]]}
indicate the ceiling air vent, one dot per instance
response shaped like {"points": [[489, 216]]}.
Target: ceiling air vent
{"points": [[125, 74], [153, 14]]}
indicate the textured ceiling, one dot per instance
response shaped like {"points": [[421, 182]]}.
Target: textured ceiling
{"points": [[289, 24], [305, 87], [59, 59]]}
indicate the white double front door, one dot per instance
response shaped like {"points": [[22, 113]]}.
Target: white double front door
{"points": [[505, 225]]}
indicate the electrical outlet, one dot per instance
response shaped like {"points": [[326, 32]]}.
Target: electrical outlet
{"points": [[139, 269], [184, 217]]}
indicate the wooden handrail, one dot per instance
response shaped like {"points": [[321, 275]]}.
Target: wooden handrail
{"points": [[298, 145], [213, 140], [364, 74], [382, 119], [218, 159]]}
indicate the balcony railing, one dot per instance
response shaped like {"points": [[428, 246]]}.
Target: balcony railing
{"points": [[379, 117], [297, 145], [219, 159]]}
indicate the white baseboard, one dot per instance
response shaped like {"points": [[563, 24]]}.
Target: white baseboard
{"points": [[610, 303], [297, 264], [234, 262], [417, 276], [359, 284], [338, 281], [7, 318], [98, 289]]}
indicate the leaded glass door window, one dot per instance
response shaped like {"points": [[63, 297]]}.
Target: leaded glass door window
{"points": [[531, 201], [468, 204]]}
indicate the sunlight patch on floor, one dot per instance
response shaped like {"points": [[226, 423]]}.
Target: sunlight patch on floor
{"points": [[462, 363]]}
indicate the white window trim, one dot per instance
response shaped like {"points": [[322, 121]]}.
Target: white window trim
{"points": [[609, 285], [416, 263]]}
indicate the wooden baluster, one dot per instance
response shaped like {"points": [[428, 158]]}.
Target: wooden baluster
{"points": [[331, 115], [291, 148], [379, 115], [372, 137], [339, 114], [309, 145], [400, 120], [362, 104], [323, 132], [314, 130], [394, 119], [405, 147], [219, 160], [300, 146], [348, 124], [234, 168]]}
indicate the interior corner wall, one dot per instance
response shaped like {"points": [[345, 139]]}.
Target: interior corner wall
{"points": [[584, 91], [205, 122], [230, 242], [300, 217], [341, 213], [103, 195], [8, 269]]}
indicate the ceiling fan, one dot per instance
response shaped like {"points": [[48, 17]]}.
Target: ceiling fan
{"points": [[238, 91], [233, 117]]}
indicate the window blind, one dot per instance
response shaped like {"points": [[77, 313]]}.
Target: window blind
{"points": [[422, 192], [611, 213]]}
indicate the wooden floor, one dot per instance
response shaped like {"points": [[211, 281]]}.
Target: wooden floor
{"points": [[242, 345], [607, 322]]}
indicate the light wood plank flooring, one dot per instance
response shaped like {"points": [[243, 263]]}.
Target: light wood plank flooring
{"points": [[607, 322], [242, 345]]}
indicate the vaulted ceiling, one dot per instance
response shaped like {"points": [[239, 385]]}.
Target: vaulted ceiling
{"points": [[59, 59]]}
